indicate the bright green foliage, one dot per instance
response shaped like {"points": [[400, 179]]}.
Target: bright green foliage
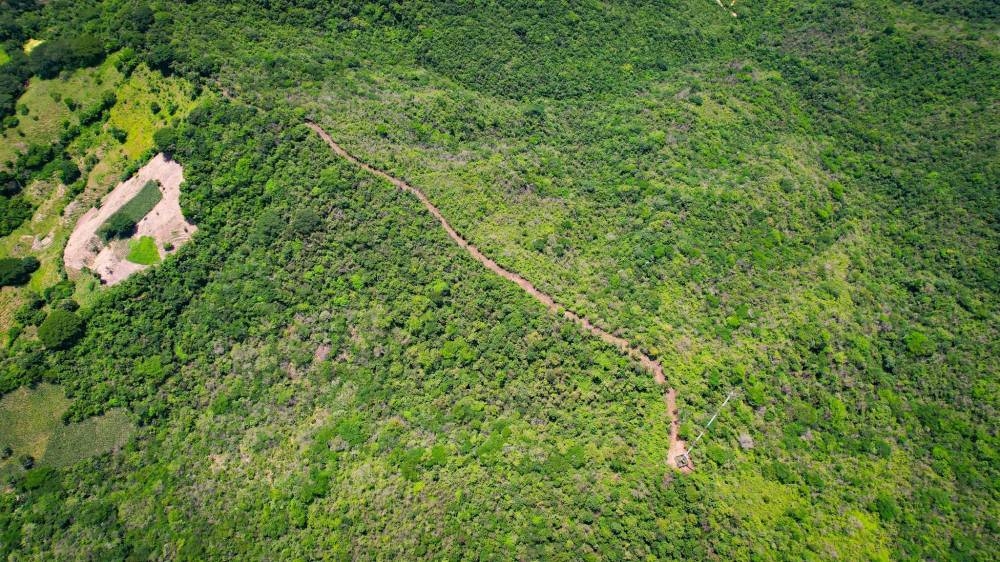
{"points": [[143, 251], [121, 224], [60, 329]]}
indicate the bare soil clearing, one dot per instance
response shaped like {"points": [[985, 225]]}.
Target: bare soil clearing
{"points": [[650, 364], [164, 223]]}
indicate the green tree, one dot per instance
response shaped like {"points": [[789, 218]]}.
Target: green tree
{"points": [[17, 271], [60, 329]]}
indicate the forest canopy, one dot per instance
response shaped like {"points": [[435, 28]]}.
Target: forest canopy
{"points": [[795, 206]]}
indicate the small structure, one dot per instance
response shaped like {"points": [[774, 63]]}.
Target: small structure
{"points": [[746, 442]]}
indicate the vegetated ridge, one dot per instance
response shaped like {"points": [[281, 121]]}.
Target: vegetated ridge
{"points": [[650, 364]]}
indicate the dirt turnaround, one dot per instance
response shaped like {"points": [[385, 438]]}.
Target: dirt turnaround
{"points": [[650, 364]]}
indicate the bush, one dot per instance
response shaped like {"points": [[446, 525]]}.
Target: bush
{"points": [[306, 221], [69, 172], [919, 344], [17, 271], [120, 135], [166, 140], [60, 329]]}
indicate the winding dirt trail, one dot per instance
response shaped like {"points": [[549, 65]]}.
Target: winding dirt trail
{"points": [[650, 364]]}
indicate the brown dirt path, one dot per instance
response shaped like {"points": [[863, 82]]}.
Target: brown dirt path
{"points": [[650, 364]]}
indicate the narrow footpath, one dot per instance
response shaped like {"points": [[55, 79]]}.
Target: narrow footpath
{"points": [[650, 364]]}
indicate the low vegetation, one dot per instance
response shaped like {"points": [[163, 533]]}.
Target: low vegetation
{"points": [[33, 429], [143, 251], [122, 223]]}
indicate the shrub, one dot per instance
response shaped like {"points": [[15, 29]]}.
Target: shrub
{"points": [[26, 461], [60, 329], [919, 344], [306, 221], [120, 135], [166, 140], [17, 271], [69, 172]]}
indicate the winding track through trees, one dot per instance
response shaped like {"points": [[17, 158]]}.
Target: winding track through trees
{"points": [[650, 364]]}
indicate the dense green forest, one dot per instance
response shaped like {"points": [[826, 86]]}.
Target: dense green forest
{"points": [[800, 203]]}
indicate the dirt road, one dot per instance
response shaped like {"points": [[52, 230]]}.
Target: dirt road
{"points": [[650, 364]]}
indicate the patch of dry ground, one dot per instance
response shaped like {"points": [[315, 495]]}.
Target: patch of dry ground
{"points": [[165, 224]]}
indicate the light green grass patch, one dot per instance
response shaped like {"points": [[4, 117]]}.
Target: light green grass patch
{"points": [[143, 251], [31, 424], [4, 57], [28, 418], [77, 441], [30, 45], [134, 111]]}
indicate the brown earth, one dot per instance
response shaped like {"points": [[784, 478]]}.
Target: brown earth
{"points": [[164, 223], [676, 445]]}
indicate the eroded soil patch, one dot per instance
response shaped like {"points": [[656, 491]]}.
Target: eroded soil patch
{"points": [[165, 224]]}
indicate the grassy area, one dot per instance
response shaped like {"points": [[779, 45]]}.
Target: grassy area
{"points": [[30, 45], [76, 441], [146, 102], [29, 417], [143, 251], [32, 422], [122, 222], [46, 106], [4, 57]]}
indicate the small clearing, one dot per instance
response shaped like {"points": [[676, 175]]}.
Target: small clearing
{"points": [[30, 45], [164, 224]]}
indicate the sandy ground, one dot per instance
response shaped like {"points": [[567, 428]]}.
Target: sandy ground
{"points": [[164, 223], [677, 446], [652, 365]]}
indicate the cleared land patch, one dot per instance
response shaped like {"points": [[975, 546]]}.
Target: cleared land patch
{"points": [[146, 101], [32, 422], [164, 223]]}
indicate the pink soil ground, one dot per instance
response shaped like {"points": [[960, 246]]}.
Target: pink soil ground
{"points": [[164, 223]]}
